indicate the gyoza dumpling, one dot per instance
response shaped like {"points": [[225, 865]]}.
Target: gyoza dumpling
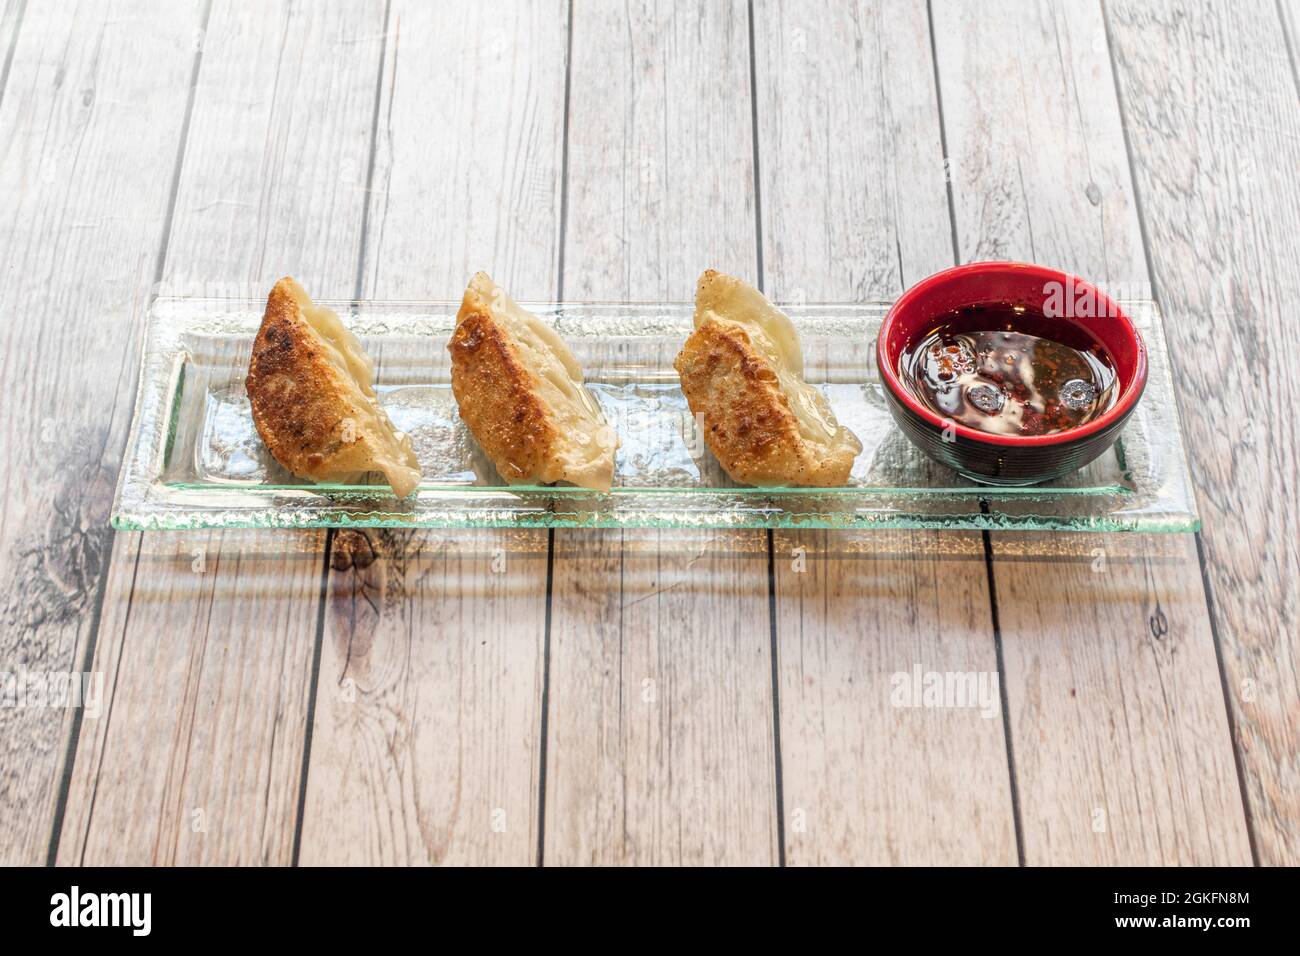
{"points": [[313, 397], [742, 371], [521, 392]]}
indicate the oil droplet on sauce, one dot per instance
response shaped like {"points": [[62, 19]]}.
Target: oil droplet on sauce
{"points": [[1007, 370]]}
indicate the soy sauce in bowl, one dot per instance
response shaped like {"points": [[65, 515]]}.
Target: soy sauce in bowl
{"points": [[1007, 370]]}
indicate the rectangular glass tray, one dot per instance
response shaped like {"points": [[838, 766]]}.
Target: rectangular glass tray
{"points": [[194, 459]]}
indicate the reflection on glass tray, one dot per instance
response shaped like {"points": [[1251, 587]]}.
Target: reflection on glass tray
{"points": [[194, 459]]}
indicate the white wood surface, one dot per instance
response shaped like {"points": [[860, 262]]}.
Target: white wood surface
{"points": [[426, 744], [89, 126], [1289, 10], [1110, 676], [660, 747], [214, 664], [1213, 107], [607, 697], [10, 16], [855, 207]]}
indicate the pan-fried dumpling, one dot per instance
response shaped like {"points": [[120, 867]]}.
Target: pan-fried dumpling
{"points": [[521, 392], [313, 397], [742, 371]]}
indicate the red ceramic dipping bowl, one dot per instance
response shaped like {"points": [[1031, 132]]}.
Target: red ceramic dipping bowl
{"points": [[1010, 459]]}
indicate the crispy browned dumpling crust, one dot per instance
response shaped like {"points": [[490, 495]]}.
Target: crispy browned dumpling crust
{"points": [[498, 401], [300, 404], [748, 423], [521, 393]]}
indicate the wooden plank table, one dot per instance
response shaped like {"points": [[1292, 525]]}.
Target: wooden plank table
{"points": [[526, 697]]}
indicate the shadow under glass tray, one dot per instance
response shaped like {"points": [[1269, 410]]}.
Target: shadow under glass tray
{"points": [[194, 459]]}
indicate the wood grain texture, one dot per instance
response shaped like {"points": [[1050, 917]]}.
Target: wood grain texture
{"points": [[429, 702], [1213, 111], [855, 207], [89, 126], [206, 647], [11, 15], [210, 637], [426, 739], [1289, 11], [1120, 739], [661, 744]]}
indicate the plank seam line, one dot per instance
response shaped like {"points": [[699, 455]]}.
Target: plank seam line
{"points": [[943, 138], [309, 722], [564, 158], [108, 718], [358, 288], [74, 736], [986, 539], [543, 730], [13, 46], [776, 701], [1290, 50], [1016, 815], [1233, 734], [753, 125], [1208, 594], [97, 612], [777, 767], [327, 549], [191, 96]]}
